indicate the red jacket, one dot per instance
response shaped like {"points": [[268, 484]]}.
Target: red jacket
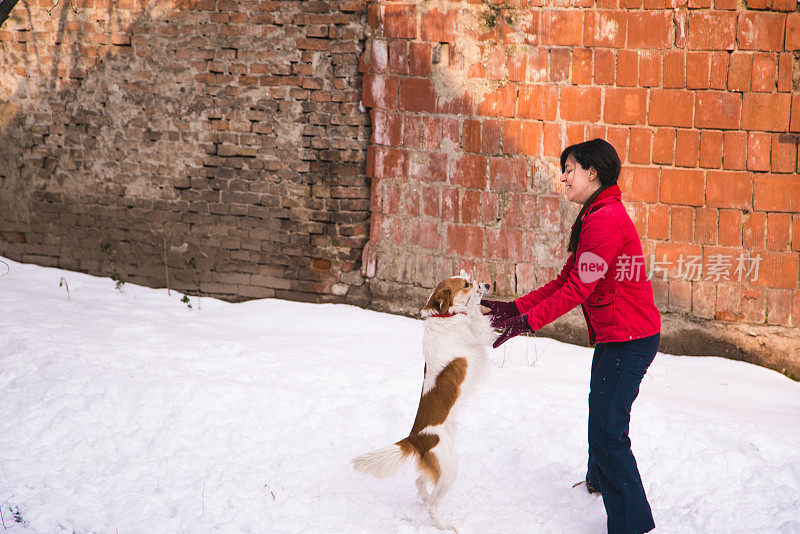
{"points": [[606, 276]]}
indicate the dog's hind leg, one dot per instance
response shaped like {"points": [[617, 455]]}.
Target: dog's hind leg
{"points": [[444, 457]]}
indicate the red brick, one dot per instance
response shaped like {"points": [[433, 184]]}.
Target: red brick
{"points": [[739, 71], [536, 70], [796, 309], [792, 32], [778, 270], [419, 59], [492, 134], [726, 4], [575, 133], [785, 64], [711, 30], [504, 243], [682, 186], [449, 206], [390, 162], [718, 110], [512, 137], [625, 106], [627, 68], [730, 227], [538, 102], [719, 70], [412, 131], [581, 66], [470, 206], [650, 29], [398, 56], [729, 300], [784, 153], [379, 56], [552, 140], [664, 146], [783, 5], [760, 31], [704, 296], [562, 27], [465, 240], [494, 62], [431, 133], [680, 296], [687, 148], [758, 151], [532, 138], [764, 72], [649, 68], [658, 221], [380, 91], [698, 70], [559, 68], [521, 28], [779, 306], [438, 26], [426, 234], [734, 151], [726, 189], [779, 231], [471, 139], [754, 230], [705, 226], [417, 94], [796, 234], [671, 107], [674, 69], [470, 171], [794, 125], [430, 168], [399, 21], [604, 66], [517, 67], [387, 128], [711, 149], [580, 103], [640, 184], [766, 112], [777, 193], [754, 306], [641, 140], [500, 102], [605, 28]]}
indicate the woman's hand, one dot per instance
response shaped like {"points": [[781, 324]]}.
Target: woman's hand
{"points": [[500, 311], [512, 328]]}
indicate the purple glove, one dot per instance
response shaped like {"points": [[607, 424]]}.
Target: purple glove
{"points": [[500, 311], [513, 327]]}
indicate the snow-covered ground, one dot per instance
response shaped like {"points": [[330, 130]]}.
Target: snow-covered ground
{"points": [[127, 411]]}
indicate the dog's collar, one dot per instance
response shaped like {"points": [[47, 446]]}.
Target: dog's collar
{"points": [[447, 314]]}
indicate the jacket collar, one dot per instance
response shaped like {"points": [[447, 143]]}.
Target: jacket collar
{"points": [[608, 196]]}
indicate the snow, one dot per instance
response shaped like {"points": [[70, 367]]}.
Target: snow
{"points": [[127, 411]]}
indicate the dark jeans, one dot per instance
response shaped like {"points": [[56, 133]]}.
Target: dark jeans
{"points": [[617, 371]]}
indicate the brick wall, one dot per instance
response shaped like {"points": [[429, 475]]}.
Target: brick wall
{"points": [[212, 145], [472, 103]]}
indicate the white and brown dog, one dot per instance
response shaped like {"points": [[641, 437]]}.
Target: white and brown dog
{"points": [[454, 343]]}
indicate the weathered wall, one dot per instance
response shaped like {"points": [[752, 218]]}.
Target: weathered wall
{"points": [[212, 145], [472, 103]]}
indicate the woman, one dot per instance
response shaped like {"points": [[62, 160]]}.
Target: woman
{"points": [[605, 275]]}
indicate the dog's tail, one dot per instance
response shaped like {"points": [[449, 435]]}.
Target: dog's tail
{"points": [[385, 462]]}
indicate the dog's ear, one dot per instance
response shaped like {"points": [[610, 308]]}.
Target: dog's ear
{"points": [[439, 302]]}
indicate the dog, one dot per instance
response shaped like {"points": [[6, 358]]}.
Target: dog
{"points": [[455, 344]]}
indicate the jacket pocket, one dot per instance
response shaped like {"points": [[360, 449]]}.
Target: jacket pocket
{"points": [[601, 307]]}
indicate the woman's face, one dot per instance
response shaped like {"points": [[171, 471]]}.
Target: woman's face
{"points": [[580, 183]]}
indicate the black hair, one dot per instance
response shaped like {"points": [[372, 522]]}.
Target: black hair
{"points": [[600, 155]]}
